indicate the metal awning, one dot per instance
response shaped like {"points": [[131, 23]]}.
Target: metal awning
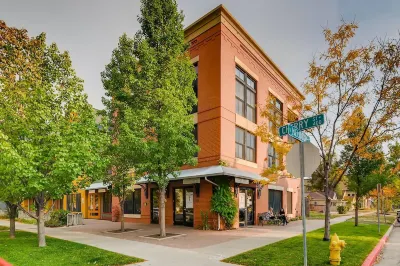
{"points": [[97, 185], [216, 170]]}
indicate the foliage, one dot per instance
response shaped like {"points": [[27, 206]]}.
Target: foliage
{"points": [[23, 249], [46, 125], [57, 218], [360, 241], [224, 204], [204, 220], [343, 209], [345, 82]]}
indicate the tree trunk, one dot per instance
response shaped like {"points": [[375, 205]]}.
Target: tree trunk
{"points": [[327, 228], [121, 204], [40, 226], [356, 211], [12, 212], [162, 212]]}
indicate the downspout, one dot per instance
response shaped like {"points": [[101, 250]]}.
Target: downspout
{"points": [[209, 181]]}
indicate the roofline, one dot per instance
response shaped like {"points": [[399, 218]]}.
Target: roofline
{"points": [[221, 9]]}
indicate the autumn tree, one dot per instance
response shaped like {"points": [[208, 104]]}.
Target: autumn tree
{"points": [[166, 74], [343, 82], [46, 122], [123, 98]]}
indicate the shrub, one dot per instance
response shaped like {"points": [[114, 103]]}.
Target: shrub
{"points": [[57, 218], [342, 209], [224, 204], [204, 220]]}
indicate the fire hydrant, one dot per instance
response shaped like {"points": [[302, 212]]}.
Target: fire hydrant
{"points": [[335, 247]]}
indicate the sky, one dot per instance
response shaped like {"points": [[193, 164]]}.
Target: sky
{"points": [[290, 31]]}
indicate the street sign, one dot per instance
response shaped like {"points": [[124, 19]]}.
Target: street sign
{"points": [[312, 159], [300, 135], [303, 124]]}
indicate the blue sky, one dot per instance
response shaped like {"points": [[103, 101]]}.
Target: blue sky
{"points": [[289, 31]]}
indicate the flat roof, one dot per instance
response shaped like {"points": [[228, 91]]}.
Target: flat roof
{"points": [[222, 10]]}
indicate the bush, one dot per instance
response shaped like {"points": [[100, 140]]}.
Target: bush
{"points": [[204, 220], [57, 218], [224, 204], [342, 209]]}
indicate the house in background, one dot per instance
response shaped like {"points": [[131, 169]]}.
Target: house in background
{"points": [[350, 197], [318, 203]]}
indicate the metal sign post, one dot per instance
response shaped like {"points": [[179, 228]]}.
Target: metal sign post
{"points": [[303, 202], [378, 190], [295, 130]]}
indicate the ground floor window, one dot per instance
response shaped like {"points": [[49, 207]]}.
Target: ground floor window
{"points": [[275, 200], [74, 202], [107, 202], [133, 202], [289, 202]]}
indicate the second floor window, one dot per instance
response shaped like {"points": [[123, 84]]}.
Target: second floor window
{"points": [[292, 117], [196, 137], [195, 86], [273, 157], [245, 147], [276, 114], [245, 95]]}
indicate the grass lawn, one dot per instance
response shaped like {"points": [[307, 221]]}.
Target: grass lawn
{"points": [[360, 241], [321, 216], [3, 228], [23, 250], [373, 218]]}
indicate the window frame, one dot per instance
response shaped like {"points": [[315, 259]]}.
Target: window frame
{"points": [[275, 111], [247, 87], [245, 145], [289, 210]]}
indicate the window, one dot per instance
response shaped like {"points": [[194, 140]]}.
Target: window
{"points": [[133, 201], [74, 202], [275, 200], [195, 85], [273, 158], [276, 114], [107, 202], [245, 95], [196, 138], [289, 202], [245, 147]]}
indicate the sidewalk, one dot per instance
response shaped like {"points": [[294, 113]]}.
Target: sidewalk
{"points": [[156, 254], [391, 251]]}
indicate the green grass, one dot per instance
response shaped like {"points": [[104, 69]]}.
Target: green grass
{"points": [[360, 241], [321, 216], [20, 220], [23, 250], [373, 219], [3, 228]]}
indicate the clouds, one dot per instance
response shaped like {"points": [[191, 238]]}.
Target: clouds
{"points": [[289, 31]]}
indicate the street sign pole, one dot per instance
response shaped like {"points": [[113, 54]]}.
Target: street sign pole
{"points": [[303, 202], [378, 190]]}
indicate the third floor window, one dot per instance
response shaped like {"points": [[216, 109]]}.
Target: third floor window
{"points": [[195, 86], [245, 95]]}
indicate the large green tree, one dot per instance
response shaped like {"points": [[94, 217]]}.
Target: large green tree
{"points": [[123, 98], [46, 121], [166, 74]]}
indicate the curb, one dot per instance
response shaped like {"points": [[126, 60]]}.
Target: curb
{"points": [[371, 259]]}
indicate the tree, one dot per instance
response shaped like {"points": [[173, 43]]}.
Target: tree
{"points": [[46, 121], [125, 138], [166, 74], [344, 82], [364, 172]]}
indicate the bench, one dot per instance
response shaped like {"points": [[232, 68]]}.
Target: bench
{"points": [[265, 218]]}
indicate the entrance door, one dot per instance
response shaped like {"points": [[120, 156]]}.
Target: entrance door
{"points": [[183, 206], [94, 206], [246, 206], [155, 206]]}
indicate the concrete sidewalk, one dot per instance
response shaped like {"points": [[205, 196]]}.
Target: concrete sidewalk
{"points": [[391, 251], [157, 254]]}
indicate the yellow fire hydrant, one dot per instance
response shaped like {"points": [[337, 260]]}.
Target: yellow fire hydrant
{"points": [[335, 247]]}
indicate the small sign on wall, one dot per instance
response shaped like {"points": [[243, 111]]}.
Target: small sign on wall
{"points": [[189, 200], [241, 181], [242, 200], [92, 191]]}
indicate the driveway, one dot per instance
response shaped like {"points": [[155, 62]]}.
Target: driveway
{"points": [[195, 247]]}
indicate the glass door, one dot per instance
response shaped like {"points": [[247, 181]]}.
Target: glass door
{"points": [[94, 206], [183, 206], [246, 206], [155, 206]]}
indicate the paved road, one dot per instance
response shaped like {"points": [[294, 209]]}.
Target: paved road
{"points": [[166, 256], [391, 251]]}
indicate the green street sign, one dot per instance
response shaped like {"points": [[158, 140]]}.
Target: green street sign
{"points": [[303, 124], [299, 135]]}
